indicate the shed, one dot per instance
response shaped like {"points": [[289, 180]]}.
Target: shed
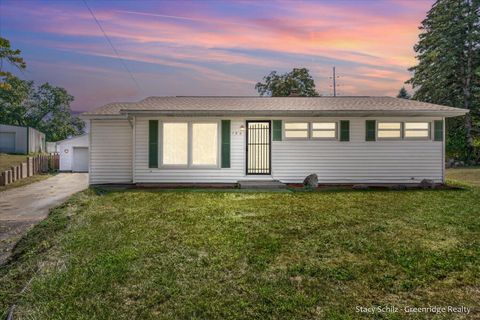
{"points": [[21, 140], [74, 153]]}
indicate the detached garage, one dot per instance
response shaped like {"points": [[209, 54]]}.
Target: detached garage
{"points": [[21, 140], [74, 154]]}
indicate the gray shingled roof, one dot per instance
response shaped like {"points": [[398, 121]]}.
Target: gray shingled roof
{"points": [[274, 106]]}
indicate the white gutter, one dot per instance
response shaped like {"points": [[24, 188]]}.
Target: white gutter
{"points": [[370, 113]]}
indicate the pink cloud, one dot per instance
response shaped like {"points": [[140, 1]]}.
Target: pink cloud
{"points": [[207, 43]]}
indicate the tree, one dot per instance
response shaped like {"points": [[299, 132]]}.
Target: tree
{"points": [[297, 82], [15, 101], [403, 94], [12, 57], [46, 108], [448, 69]]}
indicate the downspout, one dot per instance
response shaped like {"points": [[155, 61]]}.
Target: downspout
{"points": [[89, 153], [443, 150], [133, 148]]}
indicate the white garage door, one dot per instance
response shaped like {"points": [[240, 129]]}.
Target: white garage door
{"points": [[80, 159], [7, 142]]}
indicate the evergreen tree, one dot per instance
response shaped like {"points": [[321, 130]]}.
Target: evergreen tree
{"points": [[12, 56], [448, 69], [403, 94]]}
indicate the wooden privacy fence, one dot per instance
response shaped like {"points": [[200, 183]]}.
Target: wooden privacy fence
{"points": [[32, 166]]}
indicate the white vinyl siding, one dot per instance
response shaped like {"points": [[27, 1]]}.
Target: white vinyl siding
{"points": [[359, 161], [110, 152], [355, 161]]}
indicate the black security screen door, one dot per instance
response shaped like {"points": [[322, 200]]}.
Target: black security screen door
{"points": [[258, 147]]}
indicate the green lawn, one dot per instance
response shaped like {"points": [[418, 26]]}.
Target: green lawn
{"points": [[9, 160], [465, 175], [243, 255]]}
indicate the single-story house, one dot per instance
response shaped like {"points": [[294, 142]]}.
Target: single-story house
{"points": [[344, 140], [74, 153], [21, 140]]}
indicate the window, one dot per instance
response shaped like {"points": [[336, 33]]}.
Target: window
{"points": [[417, 130], [190, 144], [296, 130], [389, 130], [175, 144], [324, 130], [204, 144]]}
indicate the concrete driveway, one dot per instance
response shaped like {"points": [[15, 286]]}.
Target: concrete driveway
{"points": [[23, 207]]}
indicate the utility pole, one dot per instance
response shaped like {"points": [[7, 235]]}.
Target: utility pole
{"points": [[334, 85]]}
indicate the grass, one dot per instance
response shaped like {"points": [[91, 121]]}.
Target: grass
{"points": [[229, 255], [469, 175], [9, 160]]}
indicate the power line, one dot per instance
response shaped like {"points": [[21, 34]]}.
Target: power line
{"points": [[111, 45]]}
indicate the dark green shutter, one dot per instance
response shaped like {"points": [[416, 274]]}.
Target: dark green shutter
{"points": [[277, 130], [344, 130], [225, 143], [438, 130], [153, 143], [370, 130]]}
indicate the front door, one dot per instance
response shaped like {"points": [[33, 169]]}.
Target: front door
{"points": [[258, 147]]}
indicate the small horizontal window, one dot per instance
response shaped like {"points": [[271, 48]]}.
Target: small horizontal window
{"points": [[297, 130], [417, 130], [389, 126], [416, 125], [324, 125], [324, 130], [324, 134], [296, 126], [389, 130]]}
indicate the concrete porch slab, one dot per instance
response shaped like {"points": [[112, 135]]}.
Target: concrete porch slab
{"points": [[261, 184]]}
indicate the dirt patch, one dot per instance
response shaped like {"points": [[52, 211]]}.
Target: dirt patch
{"points": [[10, 232]]}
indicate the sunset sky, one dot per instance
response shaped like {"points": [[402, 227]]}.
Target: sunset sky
{"points": [[211, 47]]}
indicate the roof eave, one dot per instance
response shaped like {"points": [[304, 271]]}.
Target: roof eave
{"points": [[103, 116], [296, 113]]}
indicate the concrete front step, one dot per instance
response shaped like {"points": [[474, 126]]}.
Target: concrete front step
{"points": [[261, 184]]}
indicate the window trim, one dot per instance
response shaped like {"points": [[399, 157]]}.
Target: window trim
{"points": [[335, 138], [284, 130], [389, 138], [429, 136], [189, 164]]}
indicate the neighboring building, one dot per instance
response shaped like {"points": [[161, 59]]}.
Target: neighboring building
{"points": [[21, 140], [51, 147], [376, 140], [74, 153]]}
